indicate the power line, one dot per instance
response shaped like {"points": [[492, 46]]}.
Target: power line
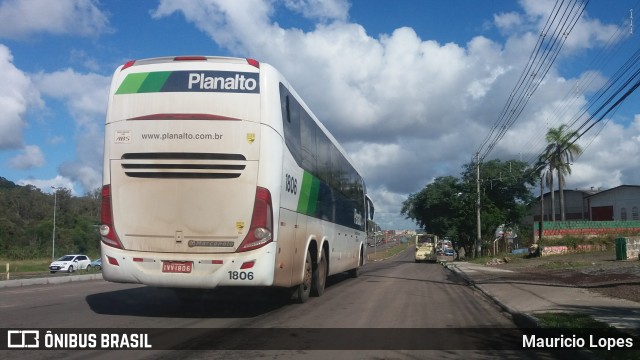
{"points": [[602, 58], [560, 23]]}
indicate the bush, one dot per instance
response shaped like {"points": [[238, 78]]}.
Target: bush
{"points": [[23, 253], [572, 241]]}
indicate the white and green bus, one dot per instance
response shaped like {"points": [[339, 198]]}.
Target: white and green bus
{"points": [[216, 173]]}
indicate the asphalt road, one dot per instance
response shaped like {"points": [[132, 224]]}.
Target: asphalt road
{"points": [[393, 305]]}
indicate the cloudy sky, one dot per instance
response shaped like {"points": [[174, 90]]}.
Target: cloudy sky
{"points": [[410, 88]]}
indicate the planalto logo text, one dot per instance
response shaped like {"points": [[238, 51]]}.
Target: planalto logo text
{"points": [[237, 82]]}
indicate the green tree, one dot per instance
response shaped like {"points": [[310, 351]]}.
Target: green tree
{"points": [[26, 222], [560, 152], [434, 208], [447, 205]]}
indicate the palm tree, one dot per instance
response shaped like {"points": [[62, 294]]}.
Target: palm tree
{"points": [[560, 151]]}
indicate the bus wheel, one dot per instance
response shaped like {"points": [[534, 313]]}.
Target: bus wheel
{"points": [[319, 275], [354, 273], [302, 291]]}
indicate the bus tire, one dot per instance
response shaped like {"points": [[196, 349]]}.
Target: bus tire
{"points": [[355, 272], [319, 275], [301, 292]]}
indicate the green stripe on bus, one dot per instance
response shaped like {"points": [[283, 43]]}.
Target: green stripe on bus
{"points": [[143, 82], [131, 83], [154, 82], [313, 196], [305, 193]]}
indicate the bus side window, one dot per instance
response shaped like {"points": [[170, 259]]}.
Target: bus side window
{"points": [[308, 143], [291, 123]]}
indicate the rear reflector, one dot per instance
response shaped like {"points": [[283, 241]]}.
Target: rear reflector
{"points": [[248, 264], [112, 261]]}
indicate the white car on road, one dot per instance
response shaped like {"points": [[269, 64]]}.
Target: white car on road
{"points": [[70, 263]]}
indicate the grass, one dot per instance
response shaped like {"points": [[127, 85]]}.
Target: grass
{"points": [[584, 326], [381, 255], [22, 266], [552, 262], [25, 266], [485, 259], [570, 320], [564, 264]]}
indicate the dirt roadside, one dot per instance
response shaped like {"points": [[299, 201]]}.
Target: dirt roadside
{"points": [[596, 271]]}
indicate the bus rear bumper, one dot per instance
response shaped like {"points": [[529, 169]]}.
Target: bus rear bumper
{"points": [[207, 271]]}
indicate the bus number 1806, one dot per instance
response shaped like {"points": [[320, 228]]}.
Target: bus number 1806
{"points": [[240, 275], [291, 184]]}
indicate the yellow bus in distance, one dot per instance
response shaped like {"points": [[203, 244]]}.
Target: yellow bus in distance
{"points": [[426, 247]]}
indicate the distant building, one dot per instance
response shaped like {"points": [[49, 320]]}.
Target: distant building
{"points": [[620, 203]]}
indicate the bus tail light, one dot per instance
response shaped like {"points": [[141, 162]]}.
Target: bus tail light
{"points": [[190, 58], [253, 62], [261, 230], [109, 236], [128, 64]]}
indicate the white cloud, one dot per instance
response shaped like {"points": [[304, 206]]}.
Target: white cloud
{"points": [[409, 109], [85, 96], [89, 175], [586, 33], [16, 95], [229, 23], [19, 19], [387, 210], [507, 22], [47, 185], [610, 159], [320, 9], [30, 157]]}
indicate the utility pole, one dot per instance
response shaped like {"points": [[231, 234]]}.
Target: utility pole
{"points": [[478, 245], [541, 211], [53, 236]]}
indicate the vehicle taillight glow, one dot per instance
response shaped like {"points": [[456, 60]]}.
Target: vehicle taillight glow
{"points": [[261, 230], [109, 236]]}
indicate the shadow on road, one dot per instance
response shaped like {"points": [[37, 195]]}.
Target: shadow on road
{"points": [[217, 303], [161, 302]]}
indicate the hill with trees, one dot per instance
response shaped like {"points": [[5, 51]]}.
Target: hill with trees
{"points": [[26, 222]]}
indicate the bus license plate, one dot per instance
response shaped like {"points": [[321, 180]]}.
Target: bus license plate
{"points": [[177, 267]]}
